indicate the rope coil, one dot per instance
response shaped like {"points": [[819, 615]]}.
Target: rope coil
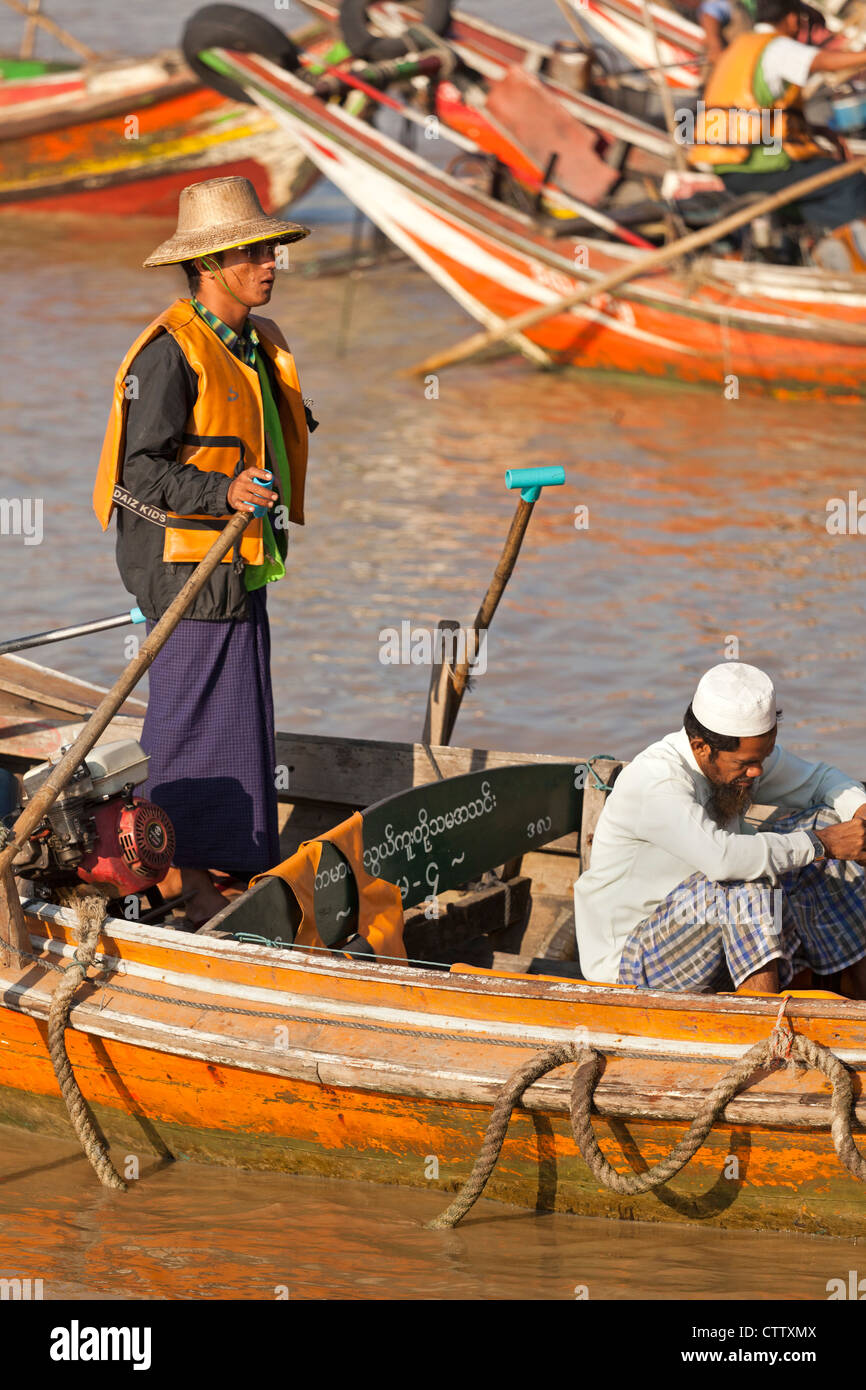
{"points": [[781, 1045], [91, 914]]}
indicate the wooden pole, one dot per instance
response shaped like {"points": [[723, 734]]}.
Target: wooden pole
{"points": [[665, 255], [62, 34], [28, 39], [663, 88], [11, 915], [447, 688], [574, 23]]}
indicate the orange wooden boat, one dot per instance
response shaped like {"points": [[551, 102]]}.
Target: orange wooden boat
{"points": [[232, 1046], [124, 137]]}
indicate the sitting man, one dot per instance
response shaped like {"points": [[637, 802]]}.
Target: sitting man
{"points": [[680, 896], [751, 130], [724, 20]]}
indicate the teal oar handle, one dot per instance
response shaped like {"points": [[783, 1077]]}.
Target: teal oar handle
{"points": [[532, 480], [60, 634]]}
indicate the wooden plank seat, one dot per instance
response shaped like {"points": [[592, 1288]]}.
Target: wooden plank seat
{"points": [[431, 841]]}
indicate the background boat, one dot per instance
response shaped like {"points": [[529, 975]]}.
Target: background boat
{"points": [[773, 327], [121, 137]]}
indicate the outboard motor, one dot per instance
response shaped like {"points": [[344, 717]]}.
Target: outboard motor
{"points": [[97, 831]]}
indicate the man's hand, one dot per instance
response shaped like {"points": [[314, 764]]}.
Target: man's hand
{"points": [[244, 494], [848, 840]]}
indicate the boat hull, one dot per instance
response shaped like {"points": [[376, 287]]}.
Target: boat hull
{"points": [[257, 1058], [786, 1181]]}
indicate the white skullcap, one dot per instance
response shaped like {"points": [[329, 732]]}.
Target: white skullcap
{"points": [[733, 698]]}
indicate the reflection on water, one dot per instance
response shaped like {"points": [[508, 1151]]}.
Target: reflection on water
{"points": [[189, 1232], [707, 517]]}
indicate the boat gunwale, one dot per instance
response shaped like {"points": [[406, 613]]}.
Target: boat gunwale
{"points": [[298, 960], [44, 116], [465, 1083]]}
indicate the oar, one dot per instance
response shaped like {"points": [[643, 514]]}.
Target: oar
{"points": [[12, 923], [60, 634], [447, 684], [603, 284]]}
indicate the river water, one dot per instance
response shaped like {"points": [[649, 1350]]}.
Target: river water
{"points": [[707, 535]]}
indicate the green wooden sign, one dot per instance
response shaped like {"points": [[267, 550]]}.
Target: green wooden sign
{"points": [[439, 836]]}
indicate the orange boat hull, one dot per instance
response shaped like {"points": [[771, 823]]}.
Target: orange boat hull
{"points": [[132, 154], [260, 1058]]}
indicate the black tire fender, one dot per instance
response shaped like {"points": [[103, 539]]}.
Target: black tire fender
{"points": [[359, 40], [232, 26]]}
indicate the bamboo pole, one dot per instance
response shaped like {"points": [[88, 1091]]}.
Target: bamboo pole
{"points": [[28, 39], [665, 255], [580, 32], [442, 711], [62, 34], [664, 90], [11, 914]]}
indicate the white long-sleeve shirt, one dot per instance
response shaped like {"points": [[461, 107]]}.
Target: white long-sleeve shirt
{"points": [[655, 831]]}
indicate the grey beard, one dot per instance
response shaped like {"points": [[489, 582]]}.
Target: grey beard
{"points": [[727, 801]]}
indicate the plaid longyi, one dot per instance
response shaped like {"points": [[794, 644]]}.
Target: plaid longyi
{"points": [[708, 936]]}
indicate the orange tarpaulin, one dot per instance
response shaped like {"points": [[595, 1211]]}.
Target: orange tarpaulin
{"points": [[380, 905]]}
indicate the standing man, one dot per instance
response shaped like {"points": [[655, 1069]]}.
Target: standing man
{"points": [[679, 896], [208, 419]]}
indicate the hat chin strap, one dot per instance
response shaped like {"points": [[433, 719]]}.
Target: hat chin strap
{"points": [[217, 270]]}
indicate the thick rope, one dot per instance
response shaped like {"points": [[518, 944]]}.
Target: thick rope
{"points": [[539, 1065], [782, 1045], [91, 915]]}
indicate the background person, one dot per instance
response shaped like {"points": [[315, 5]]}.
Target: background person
{"points": [[765, 71]]}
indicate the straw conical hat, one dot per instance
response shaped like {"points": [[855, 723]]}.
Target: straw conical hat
{"points": [[217, 215]]}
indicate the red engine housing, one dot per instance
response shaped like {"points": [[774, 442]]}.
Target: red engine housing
{"points": [[134, 847]]}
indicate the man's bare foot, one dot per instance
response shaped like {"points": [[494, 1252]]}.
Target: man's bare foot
{"points": [[206, 900], [171, 886]]}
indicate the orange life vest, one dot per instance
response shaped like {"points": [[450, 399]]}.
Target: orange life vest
{"points": [[226, 423], [731, 110]]}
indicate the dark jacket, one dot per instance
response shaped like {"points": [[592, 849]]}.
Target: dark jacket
{"points": [[156, 420]]}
